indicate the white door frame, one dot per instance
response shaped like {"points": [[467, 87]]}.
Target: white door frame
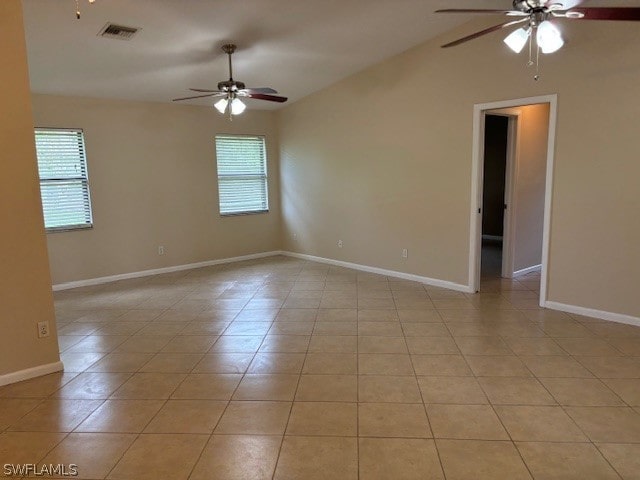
{"points": [[475, 241]]}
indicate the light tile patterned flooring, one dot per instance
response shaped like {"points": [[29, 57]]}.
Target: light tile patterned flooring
{"points": [[287, 369]]}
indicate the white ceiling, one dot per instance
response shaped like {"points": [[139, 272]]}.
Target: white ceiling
{"points": [[294, 46]]}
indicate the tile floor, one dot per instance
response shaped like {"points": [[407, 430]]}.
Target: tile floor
{"points": [[287, 369]]}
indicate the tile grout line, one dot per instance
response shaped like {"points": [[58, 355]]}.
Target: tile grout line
{"points": [[358, 381], [212, 434], [426, 412], [563, 409], [275, 466], [138, 435]]}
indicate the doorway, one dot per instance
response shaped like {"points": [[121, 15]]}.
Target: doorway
{"points": [[496, 157], [511, 189]]}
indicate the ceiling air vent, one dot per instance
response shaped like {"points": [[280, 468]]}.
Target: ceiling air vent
{"points": [[111, 30]]}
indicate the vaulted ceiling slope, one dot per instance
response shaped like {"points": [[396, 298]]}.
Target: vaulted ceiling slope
{"points": [[295, 46]]}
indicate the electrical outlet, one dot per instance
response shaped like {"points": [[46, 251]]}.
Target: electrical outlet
{"points": [[43, 329], [405, 253], [161, 250], [339, 243], [295, 236]]}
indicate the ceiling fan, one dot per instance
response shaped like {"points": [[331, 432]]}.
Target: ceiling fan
{"points": [[535, 17], [232, 90]]}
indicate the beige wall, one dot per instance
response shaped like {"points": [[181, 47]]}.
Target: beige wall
{"points": [[152, 176], [382, 160], [25, 289], [530, 177]]}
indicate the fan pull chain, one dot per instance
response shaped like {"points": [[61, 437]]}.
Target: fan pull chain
{"points": [[78, 8], [530, 63]]}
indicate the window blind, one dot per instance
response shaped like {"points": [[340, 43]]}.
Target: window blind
{"points": [[242, 174], [64, 187]]}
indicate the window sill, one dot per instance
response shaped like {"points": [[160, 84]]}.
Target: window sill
{"points": [[68, 229], [242, 214]]}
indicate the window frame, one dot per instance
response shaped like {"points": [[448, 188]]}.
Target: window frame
{"points": [[84, 179], [264, 176]]}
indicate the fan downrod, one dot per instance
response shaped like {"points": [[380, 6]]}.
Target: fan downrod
{"points": [[229, 48]]}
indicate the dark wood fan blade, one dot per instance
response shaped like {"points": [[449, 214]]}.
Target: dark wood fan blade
{"points": [[484, 32], [477, 10], [199, 96], [270, 98], [266, 90], [204, 90], [631, 14]]}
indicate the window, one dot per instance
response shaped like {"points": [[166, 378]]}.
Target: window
{"points": [[242, 174], [64, 186]]}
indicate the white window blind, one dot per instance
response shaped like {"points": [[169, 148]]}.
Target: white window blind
{"points": [[242, 174], [64, 186]]}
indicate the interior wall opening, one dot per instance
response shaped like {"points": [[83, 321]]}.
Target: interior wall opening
{"points": [[513, 160], [496, 136]]}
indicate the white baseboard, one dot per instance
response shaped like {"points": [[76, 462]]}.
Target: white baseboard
{"points": [[589, 312], [57, 366], [156, 271], [528, 270], [32, 372], [434, 282]]}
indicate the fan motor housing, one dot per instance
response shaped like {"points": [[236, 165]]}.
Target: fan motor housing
{"points": [[529, 5], [230, 85]]}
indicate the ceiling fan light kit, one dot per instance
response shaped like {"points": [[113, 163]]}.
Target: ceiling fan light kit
{"points": [[537, 15], [237, 107], [548, 37], [221, 105], [517, 39], [232, 90]]}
